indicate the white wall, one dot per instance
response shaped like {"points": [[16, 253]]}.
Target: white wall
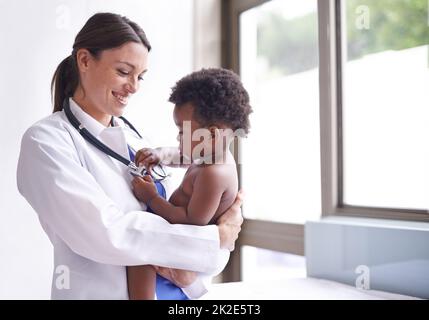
{"points": [[35, 36]]}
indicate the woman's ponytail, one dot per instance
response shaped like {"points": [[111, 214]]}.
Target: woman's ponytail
{"points": [[64, 82]]}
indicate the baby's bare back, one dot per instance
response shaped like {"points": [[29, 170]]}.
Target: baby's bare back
{"points": [[210, 188]]}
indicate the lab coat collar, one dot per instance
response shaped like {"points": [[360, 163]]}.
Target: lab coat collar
{"points": [[93, 126]]}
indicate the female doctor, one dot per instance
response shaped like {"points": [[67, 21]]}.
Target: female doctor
{"points": [[74, 170]]}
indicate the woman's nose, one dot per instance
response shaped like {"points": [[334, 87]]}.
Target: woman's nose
{"points": [[132, 86]]}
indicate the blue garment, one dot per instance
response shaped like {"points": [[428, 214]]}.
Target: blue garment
{"points": [[165, 289]]}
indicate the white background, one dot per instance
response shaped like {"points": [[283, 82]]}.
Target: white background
{"points": [[35, 36]]}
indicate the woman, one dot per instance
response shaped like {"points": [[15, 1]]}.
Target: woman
{"points": [[83, 196]]}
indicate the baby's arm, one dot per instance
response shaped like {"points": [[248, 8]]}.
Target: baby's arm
{"points": [[207, 192], [169, 156]]}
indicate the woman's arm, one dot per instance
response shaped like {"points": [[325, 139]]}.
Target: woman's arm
{"points": [[229, 221], [74, 207], [181, 278]]}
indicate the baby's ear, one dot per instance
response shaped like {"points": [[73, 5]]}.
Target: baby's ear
{"points": [[214, 132]]}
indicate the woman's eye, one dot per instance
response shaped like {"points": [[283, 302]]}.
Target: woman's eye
{"points": [[122, 72], [126, 73]]}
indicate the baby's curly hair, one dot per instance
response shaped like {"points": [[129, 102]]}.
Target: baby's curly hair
{"points": [[218, 96]]}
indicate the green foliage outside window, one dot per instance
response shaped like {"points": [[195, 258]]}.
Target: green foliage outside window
{"points": [[289, 45]]}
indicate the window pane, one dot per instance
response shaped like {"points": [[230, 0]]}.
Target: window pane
{"points": [[279, 67], [262, 265], [386, 104]]}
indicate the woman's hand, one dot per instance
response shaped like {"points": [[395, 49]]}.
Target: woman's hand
{"points": [[181, 278], [144, 188], [148, 158], [229, 223]]}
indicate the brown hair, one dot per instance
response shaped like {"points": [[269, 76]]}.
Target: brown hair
{"points": [[101, 32]]}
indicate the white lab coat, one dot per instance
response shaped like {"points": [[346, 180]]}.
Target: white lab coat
{"points": [[86, 206]]}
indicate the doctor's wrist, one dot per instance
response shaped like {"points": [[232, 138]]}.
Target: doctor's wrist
{"points": [[225, 239]]}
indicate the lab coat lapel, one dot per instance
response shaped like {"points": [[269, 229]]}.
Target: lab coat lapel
{"points": [[114, 138]]}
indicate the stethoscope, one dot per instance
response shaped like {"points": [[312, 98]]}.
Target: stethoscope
{"points": [[158, 174]]}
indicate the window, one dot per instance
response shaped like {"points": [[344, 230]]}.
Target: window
{"points": [[279, 67], [273, 45], [386, 104], [362, 68], [373, 108]]}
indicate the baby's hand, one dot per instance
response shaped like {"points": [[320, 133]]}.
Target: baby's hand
{"points": [[144, 188], [148, 158]]}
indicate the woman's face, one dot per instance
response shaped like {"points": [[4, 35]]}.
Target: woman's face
{"points": [[108, 82]]}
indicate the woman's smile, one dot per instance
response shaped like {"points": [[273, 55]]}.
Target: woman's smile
{"points": [[121, 97]]}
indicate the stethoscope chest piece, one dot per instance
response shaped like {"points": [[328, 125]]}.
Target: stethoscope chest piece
{"points": [[158, 174]]}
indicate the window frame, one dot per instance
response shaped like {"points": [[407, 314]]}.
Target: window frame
{"points": [[331, 59], [285, 237]]}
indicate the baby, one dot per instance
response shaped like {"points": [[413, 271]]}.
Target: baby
{"points": [[211, 108]]}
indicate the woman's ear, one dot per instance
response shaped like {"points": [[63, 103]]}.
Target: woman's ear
{"points": [[82, 59]]}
